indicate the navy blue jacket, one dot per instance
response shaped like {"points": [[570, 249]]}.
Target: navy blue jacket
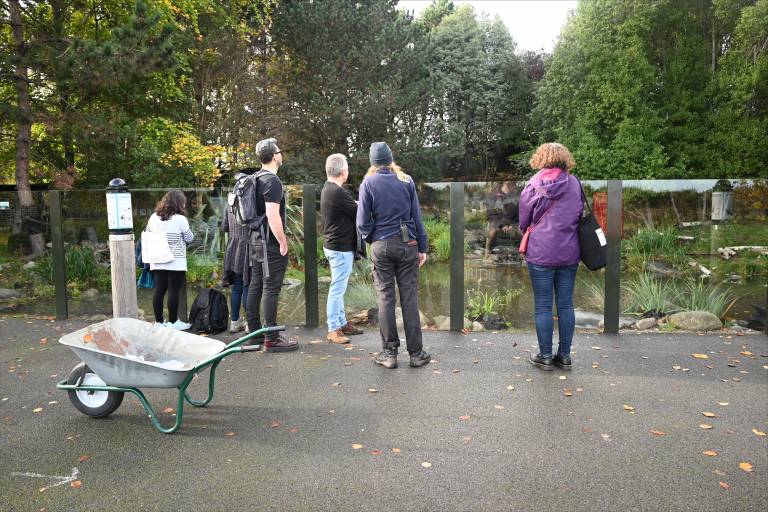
{"points": [[385, 202]]}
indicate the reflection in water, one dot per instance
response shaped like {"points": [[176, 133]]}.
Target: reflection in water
{"points": [[501, 207]]}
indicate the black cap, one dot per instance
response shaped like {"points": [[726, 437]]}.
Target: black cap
{"points": [[380, 154]]}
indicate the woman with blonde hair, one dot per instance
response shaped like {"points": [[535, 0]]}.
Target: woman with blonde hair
{"points": [[389, 218], [550, 208]]}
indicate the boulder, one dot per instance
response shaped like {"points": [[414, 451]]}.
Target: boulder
{"points": [[141, 314], [493, 322], [624, 323], [90, 293], [661, 268], [477, 326], [645, 324], [587, 319], [442, 323], [324, 279], [7, 293], [695, 321], [289, 283], [29, 265], [424, 319]]}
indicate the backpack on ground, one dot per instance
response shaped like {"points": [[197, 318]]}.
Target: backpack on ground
{"points": [[209, 312], [242, 200]]}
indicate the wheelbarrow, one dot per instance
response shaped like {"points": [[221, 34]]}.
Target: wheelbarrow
{"points": [[123, 354]]}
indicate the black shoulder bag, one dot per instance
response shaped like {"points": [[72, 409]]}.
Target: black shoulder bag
{"points": [[592, 242]]}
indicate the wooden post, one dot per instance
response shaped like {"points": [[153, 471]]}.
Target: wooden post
{"points": [[59, 258], [457, 257], [311, 294], [612, 308], [121, 250]]}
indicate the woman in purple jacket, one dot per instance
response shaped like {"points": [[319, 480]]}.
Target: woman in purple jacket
{"points": [[550, 209]]}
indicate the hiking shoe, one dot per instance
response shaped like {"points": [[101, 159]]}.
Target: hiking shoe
{"points": [[337, 336], [543, 363], [180, 326], [562, 362], [281, 344], [420, 359], [236, 325], [386, 358], [351, 330]]}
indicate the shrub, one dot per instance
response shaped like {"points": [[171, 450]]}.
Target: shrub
{"points": [[82, 268], [202, 270], [649, 244], [696, 295], [647, 294]]}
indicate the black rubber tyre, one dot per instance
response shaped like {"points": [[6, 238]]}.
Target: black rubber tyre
{"points": [[97, 404]]}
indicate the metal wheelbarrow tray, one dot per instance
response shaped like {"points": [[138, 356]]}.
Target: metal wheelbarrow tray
{"points": [[122, 354]]}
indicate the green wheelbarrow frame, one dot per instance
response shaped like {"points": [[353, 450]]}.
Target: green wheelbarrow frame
{"points": [[233, 348]]}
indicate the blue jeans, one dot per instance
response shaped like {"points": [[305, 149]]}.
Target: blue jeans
{"points": [[341, 268], [239, 296], [561, 280]]}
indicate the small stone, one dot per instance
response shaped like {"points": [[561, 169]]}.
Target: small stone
{"points": [[645, 323]]}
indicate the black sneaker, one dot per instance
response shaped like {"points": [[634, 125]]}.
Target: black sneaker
{"points": [[562, 362], [386, 358], [420, 359], [543, 363]]}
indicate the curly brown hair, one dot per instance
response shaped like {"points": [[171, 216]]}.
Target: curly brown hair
{"points": [[552, 154], [173, 203]]}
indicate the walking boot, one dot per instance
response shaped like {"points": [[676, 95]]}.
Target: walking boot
{"points": [[337, 336], [420, 359], [543, 363], [386, 358]]}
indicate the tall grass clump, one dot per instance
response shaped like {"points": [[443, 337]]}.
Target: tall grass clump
{"points": [[361, 293], [697, 295], [81, 265], [647, 294], [650, 244], [439, 238]]}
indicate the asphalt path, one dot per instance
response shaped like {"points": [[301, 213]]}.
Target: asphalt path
{"points": [[478, 429]]}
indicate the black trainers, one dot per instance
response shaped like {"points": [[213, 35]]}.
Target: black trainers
{"points": [[386, 358], [543, 363], [562, 362], [420, 359]]}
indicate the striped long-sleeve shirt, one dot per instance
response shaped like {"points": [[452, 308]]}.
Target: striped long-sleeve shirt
{"points": [[179, 235]]}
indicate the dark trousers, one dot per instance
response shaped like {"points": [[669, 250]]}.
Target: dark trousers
{"points": [[397, 262], [269, 288], [169, 281]]}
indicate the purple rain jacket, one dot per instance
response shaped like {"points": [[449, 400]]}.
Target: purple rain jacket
{"points": [[554, 241]]}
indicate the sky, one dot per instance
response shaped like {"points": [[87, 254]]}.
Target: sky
{"points": [[534, 24]]}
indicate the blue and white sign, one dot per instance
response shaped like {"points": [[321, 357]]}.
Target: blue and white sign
{"points": [[119, 211]]}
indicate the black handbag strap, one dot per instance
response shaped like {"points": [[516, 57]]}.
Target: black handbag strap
{"points": [[583, 196]]}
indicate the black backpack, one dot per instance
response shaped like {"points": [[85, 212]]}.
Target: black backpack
{"points": [[242, 201], [209, 312]]}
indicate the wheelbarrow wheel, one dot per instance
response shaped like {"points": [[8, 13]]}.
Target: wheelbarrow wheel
{"points": [[97, 404]]}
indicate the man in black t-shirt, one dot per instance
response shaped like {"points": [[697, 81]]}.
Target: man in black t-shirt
{"points": [[338, 209], [271, 201]]}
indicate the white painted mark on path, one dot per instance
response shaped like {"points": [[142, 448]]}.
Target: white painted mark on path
{"points": [[61, 479]]}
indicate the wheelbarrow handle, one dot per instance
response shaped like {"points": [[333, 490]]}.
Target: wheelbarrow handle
{"points": [[250, 348]]}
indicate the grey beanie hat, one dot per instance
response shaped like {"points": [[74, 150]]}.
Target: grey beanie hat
{"points": [[380, 154], [266, 148]]}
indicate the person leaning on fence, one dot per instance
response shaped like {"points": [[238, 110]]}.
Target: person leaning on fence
{"points": [[338, 210], [389, 217], [550, 209], [169, 277], [268, 249], [237, 267]]}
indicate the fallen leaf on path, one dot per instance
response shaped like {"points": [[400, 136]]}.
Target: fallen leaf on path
{"points": [[466, 439], [724, 485], [722, 403], [37, 409], [705, 426], [168, 410], [84, 458], [426, 464], [274, 424], [336, 385], [595, 348], [567, 392], [758, 432], [629, 408], [562, 377], [43, 341], [710, 453], [746, 353], [709, 414], [373, 390], [510, 388], [76, 484], [293, 430], [356, 446], [465, 417], [658, 433], [700, 356], [229, 434], [606, 437], [455, 370], [396, 450], [498, 407], [375, 452], [7, 419], [746, 466], [676, 367], [53, 402]]}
